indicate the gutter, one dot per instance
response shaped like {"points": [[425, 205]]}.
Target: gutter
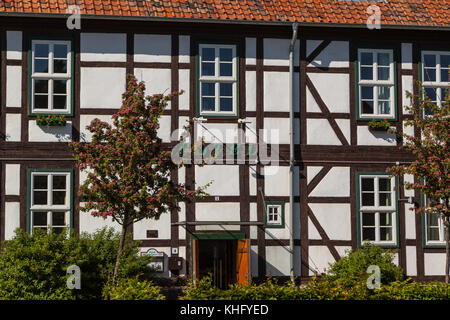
{"points": [[291, 147], [220, 21]]}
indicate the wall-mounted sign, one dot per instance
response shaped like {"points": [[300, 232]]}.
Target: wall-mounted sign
{"points": [[157, 263], [152, 233]]}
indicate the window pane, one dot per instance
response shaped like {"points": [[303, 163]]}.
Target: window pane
{"points": [[39, 218], [208, 54], [41, 101], [385, 199], [58, 230], [59, 102], [59, 86], [429, 60], [444, 75], [60, 51], [366, 58], [386, 234], [59, 182], [431, 94], [226, 69], [384, 184], [383, 59], [226, 89], [41, 86], [367, 93], [429, 74], [367, 184], [445, 61], [432, 220], [208, 69], [226, 104], [368, 234], [368, 199], [368, 219], [225, 54], [59, 66], [41, 50], [41, 65], [384, 93], [58, 218], [59, 197], [433, 234], [367, 107], [39, 182], [40, 197], [384, 107], [366, 73], [385, 219], [208, 104], [383, 73], [208, 89]]}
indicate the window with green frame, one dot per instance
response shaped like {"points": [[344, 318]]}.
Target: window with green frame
{"points": [[377, 209], [50, 76], [433, 225], [274, 214], [50, 199], [217, 79]]}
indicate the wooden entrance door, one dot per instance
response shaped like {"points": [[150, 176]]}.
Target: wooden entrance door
{"points": [[243, 262]]}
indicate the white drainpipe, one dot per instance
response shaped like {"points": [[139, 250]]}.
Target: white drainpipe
{"points": [[291, 147]]}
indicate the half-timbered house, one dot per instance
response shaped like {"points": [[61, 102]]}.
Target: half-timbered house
{"points": [[244, 66]]}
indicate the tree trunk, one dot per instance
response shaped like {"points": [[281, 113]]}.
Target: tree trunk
{"points": [[119, 250], [447, 247]]}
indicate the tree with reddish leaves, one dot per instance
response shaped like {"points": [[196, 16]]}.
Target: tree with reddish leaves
{"points": [[432, 159], [128, 167]]}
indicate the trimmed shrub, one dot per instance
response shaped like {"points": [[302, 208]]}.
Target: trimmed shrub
{"points": [[35, 266], [133, 289]]}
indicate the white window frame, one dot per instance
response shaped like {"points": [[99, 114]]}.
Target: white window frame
{"points": [[377, 209], [377, 83], [439, 85], [50, 75], [279, 221], [441, 229], [216, 79], [50, 208]]}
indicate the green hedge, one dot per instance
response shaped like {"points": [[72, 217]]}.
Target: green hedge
{"points": [[133, 289]]}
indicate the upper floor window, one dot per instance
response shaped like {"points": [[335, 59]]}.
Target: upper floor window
{"points": [[435, 76], [50, 200], [217, 80], [377, 209], [434, 228], [51, 65], [376, 83]]}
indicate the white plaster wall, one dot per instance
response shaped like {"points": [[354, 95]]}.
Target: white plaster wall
{"points": [[164, 130], [434, 264], [253, 218], [408, 178], [182, 217], [217, 132], [182, 175], [14, 45], [49, 134], [90, 224], [407, 86], [320, 257], [13, 128], [250, 51], [102, 87], [284, 233], [311, 103], [336, 183], [336, 96], [152, 48], [276, 91], [184, 84], [277, 261], [411, 261], [13, 86], [409, 130], [311, 172], [225, 179], [250, 90], [313, 234], [254, 260], [250, 131], [320, 132], [103, 47], [410, 222], [276, 52], [344, 125], [85, 120], [12, 219], [365, 137], [182, 254], [252, 177], [12, 179], [407, 56], [162, 225], [156, 81], [335, 55], [335, 219], [184, 49], [276, 181], [221, 211], [276, 130]]}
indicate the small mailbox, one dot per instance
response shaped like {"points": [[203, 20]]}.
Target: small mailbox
{"points": [[175, 263], [157, 262]]}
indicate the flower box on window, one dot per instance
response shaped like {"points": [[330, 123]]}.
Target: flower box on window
{"points": [[51, 120], [379, 125]]}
